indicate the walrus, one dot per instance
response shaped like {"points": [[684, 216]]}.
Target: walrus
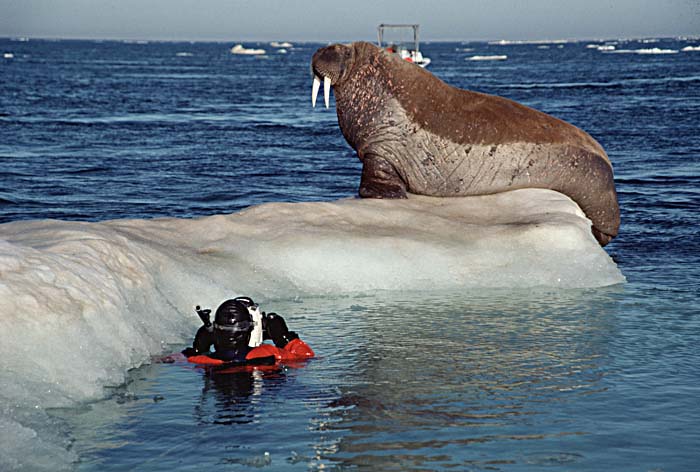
{"points": [[415, 133]]}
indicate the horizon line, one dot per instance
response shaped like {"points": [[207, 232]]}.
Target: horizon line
{"points": [[21, 38]]}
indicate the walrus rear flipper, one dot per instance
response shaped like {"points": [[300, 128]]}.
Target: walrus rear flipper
{"points": [[587, 178], [380, 179]]}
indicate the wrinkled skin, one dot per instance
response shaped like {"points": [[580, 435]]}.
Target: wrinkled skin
{"points": [[414, 133]]}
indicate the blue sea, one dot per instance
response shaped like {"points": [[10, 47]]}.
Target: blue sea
{"points": [[141, 178]]}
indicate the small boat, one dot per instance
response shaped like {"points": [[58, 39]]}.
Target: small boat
{"points": [[239, 49], [402, 48]]}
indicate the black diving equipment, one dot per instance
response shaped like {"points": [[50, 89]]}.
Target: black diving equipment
{"points": [[204, 316]]}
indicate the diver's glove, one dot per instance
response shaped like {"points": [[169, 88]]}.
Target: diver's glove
{"points": [[277, 330], [189, 352]]}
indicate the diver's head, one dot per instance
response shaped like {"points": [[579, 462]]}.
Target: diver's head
{"points": [[232, 326], [253, 308], [247, 301]]}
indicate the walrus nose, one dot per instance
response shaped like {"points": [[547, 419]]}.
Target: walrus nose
{"points": [[326, 90]]}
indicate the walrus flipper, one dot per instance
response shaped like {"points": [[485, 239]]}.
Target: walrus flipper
{"points": [[380, 179]]}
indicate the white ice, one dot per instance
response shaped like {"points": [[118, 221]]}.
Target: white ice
{"points": [[81, 303], [487, 58]]}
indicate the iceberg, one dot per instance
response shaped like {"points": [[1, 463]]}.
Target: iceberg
{"points": [[239, 49], [284, 44], [83, 302]]}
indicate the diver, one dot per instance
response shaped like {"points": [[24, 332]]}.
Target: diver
{"points": [[238, 332]]}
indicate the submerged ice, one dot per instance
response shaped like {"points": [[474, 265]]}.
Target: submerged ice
{"points": [[80, 303]]}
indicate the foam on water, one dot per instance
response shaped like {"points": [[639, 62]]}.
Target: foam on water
{"points": [[81, 303]]}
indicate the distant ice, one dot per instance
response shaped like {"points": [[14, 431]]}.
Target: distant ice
{"points": [[184, 54], [691, 48], [601, 47], [656, 51], [508, 42], [644, 51], [285, 44], [500, 57], [239, 49]]}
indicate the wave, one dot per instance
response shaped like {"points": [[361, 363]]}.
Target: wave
{"points": [[611, 84], [88, 170]]}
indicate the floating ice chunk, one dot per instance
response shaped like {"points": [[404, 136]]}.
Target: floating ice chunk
{"points": [[644, 51], [500, 57], [507, 42], [691, 48], [80, 303], [656, 51], [239, 49]]}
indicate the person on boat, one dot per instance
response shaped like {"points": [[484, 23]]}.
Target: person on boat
{"points": [[238, 332]]}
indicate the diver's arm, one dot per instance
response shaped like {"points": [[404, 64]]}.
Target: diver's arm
{"points": [[276, 329], [202, 342]]}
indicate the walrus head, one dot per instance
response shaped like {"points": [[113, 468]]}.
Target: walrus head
{"points": [[333, 64]]}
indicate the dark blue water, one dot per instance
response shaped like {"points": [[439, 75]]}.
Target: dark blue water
{"points": [[604, 379]]}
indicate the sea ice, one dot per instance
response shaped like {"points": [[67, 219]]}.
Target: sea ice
{"points": [[81, 302]]}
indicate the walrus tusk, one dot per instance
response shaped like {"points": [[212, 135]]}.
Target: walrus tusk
{"points": [[326, 90], [314, 90]]}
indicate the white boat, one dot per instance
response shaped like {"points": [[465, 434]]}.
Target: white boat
{"points": [[403, 48], [239, 49]]}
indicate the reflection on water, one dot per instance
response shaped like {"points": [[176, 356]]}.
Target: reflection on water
{"points": [[229, 397], [452, 382], [495, 380]]}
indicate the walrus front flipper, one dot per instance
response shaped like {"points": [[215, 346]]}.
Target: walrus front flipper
{"points": [[380, 179], [602, 238]]}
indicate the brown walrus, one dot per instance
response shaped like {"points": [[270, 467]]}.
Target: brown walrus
{"points": [[414, 133]]}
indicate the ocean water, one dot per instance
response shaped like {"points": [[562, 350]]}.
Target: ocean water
{"points": [[140, 179]]}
